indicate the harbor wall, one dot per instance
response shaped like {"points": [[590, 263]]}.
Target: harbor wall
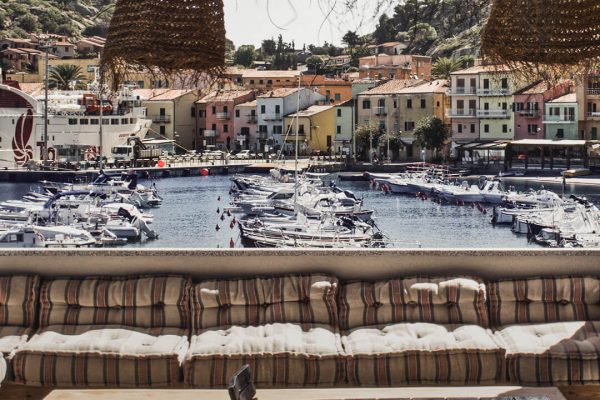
{"points": [[346, 264]]}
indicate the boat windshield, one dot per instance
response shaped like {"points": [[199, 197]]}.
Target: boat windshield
{"points": [[120, 150]]}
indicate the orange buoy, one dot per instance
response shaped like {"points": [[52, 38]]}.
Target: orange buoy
{"points": [[204, 172], [160, 163]]}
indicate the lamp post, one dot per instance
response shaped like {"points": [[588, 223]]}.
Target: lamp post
{"points": [[46, 44]]}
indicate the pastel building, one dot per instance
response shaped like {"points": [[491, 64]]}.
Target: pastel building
{"points": [[588, 98], [529, 105], [344, 127], [219, 117], [245, 124], [316, 130], [386, 66], [560, 118], [274, 105]]}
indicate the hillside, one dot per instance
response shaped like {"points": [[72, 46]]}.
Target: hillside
{"points": [[65, 17]]}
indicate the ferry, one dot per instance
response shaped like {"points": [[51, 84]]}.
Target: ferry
{"points": [[73, 124]]}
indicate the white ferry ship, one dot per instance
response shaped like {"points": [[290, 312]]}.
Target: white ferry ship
{"points": [[73, 125]]}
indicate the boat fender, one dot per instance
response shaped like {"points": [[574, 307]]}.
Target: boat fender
{"points": [[218, 210], [231, 243], [231, 224], [217, 227]]}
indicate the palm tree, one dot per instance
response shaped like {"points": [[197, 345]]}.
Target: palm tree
{"points": [[62, 74], [467, 61], [444, 66]]}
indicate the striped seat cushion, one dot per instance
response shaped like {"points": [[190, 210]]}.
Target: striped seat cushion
{"points": [[11, 337], [101, 356], [435, 300], [144, 302], [423, 354], [280, 355], [2, 368], [18, 300], [562, 353], [540, 300], [301, 299]]}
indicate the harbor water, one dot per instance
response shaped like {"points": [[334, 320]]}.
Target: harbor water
{"points": [[193, 207]]}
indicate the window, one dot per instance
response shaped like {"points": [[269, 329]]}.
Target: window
{"points": [[277, 129], [423, 103], [84, 121], [382, 126], [94, 121], [366, 104], [269, 81], [460, 84], [277, 109], [486, 128], [225, 128], [72, 121], [261, 82], [339, 112], [193, 112], [214, 127], [237, 113], [409, 103], [124, 121], [301, 129], [162, 130], [594, 133], [327, 94], [504, 83], [532, 129], [395, 103], [338, 97], [105, 121], [409, 126], [338, 129], [560, 133], [504, 128], [252, 81], [214, 110], [263, 109], [472, 128], [262, 128], [460, 127]]}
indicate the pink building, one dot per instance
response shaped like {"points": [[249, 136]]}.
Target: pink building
{"points": [[245, 126], [216, 111], [529, 108]]}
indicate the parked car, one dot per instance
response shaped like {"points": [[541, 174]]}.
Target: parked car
{"points": [[216, 155], [243, 155]]}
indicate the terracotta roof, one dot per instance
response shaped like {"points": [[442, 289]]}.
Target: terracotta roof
{"points": [[391, 87], [310, 111], [567, 98], [253, 73], [281, 92], [248, 104], [538, 88], [437, 86], [482, 68], [160, 94], [225, 95]]}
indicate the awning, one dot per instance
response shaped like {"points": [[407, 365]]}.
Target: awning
{"points": [[407, 141], [548, 142]]}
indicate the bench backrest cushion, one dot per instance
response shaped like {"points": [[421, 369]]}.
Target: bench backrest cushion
{"points": [[544, 300], [143, 302], [301, 299], [18, 300], [454, 300]]}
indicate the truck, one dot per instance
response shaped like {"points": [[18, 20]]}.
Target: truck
{"points": [[136, 152]]}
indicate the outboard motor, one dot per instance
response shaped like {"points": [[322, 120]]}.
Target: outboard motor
{"points": [[133, 180], [125, 214]]}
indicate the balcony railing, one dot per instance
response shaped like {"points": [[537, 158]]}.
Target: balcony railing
{"points": [[161, 119], [593, 114], [272, 117], [462, 90], [379, 111], [223, 115], [559, 119], [493, 92], [251, 119], [241, 136], [593, 91], [462, 112], [492, 113], [262, 135], [210, 133], [529, 113]]}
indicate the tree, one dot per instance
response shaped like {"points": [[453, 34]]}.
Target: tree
{"points": [[431, 133], [352, 40], [268, 47], [367, 136], [28, 22], [444, 66], [244, 56], [62, 74], [421, 36], [395, 143], [385, 30], [467, 61], [361, 51]]}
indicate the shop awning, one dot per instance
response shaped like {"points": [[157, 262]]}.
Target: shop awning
{"points": [[548, 142]]}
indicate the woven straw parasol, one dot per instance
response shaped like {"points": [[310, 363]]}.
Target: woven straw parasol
{"points": [[544, 37], [166, 37]]}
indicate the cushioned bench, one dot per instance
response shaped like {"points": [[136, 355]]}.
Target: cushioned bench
{"points": [[419, 331], [550, 328], [284, 327], [108, 332], [18, 305]]}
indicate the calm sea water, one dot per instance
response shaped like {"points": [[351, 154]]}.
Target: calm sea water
{"points": [[188, 217]]}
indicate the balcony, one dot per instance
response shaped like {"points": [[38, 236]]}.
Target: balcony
{"points": [[462, 113], [462, 91], [593, 114], [272, 117], [222, 115], [379, 111], [593, 91], [493, 114], [251, 119], [241, 137], [161, 119], [210, 133], [559, 119], [493, 92], [529, 113], [262, 135]]}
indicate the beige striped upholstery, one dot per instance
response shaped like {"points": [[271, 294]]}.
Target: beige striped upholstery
{"points": [[284, 327], [523, 301], [437, 300], [18, 303], [562, 353], [2, 368], [110, 331]]}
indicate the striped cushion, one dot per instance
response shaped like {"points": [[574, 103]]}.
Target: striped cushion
{"points": [[303, 299], [95, 356], [18, 299], [563, 353], [423, 354], [12, 337], [540, 300], [145, 302], [280, 355], [435, 300], [2, 368]]}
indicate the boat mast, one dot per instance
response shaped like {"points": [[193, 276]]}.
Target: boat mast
{"points": [[101, 116], [296, 144], [46, 47]]}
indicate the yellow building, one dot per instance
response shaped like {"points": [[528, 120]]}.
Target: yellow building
{"points": [[173, 114], [316, 131]]}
